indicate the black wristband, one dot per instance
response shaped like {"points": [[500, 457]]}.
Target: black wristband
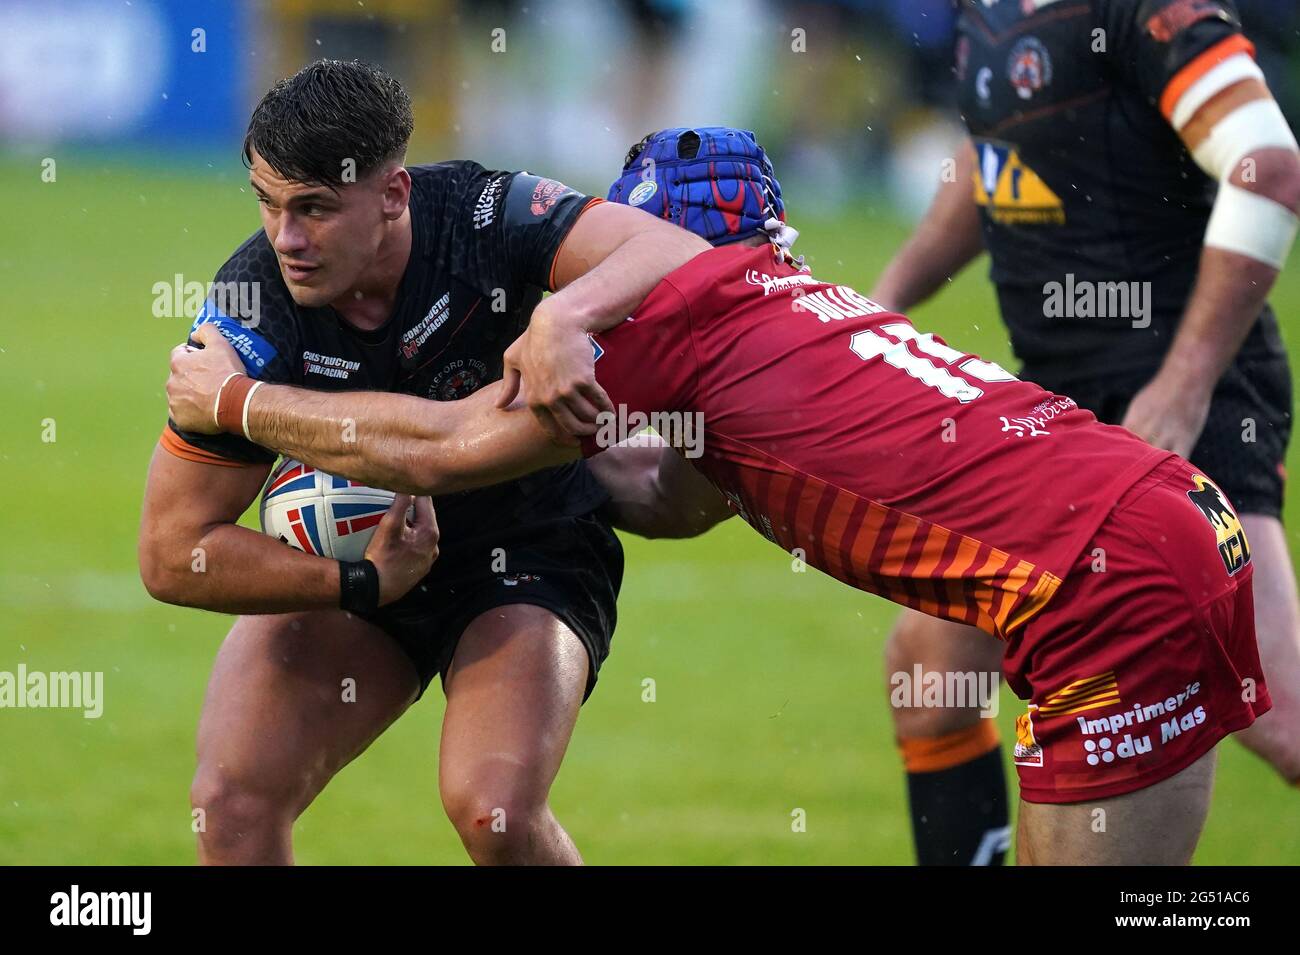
{"points": [[358, 586]]}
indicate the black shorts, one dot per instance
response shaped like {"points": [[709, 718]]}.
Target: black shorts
{"points": [[1243, 446], [571, 566]]}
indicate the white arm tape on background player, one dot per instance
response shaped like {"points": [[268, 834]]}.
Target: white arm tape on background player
{"points": [[1251, 225], [1256, 125], [248, 399], [1228, 73]]}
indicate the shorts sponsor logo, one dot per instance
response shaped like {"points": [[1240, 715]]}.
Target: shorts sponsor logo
{"points": [[1029, 67], [1103, 744], [328, 366], [417, 336], [1229, 535], [545, 195], [1028, 751]]}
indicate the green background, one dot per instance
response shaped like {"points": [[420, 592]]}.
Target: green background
{"points": [[770, 688]]}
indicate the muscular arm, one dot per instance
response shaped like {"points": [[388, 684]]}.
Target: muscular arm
{"points": [[403, 443], [192, 552], [654, 493], [944, 243]]}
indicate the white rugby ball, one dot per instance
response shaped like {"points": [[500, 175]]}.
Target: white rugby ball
{"points": [[319, 513]]}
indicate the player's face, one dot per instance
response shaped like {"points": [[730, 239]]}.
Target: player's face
{"points": [[324, 238]]}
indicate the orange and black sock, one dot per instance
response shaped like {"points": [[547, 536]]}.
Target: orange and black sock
{"points": [[958, 797]]}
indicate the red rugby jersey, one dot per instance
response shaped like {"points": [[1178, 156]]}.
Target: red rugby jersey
{"points": [[895, 463]]}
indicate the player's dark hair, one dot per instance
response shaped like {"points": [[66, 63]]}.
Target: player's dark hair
{"points": [[308, 127]]}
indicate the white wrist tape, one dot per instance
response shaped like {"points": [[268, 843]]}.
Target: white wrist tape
{"points": [[1256, 125], [1251, 225], [1230, 72], [248, 400]]}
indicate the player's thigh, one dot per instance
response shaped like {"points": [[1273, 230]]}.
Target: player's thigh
{"points": [[1158, 825], [514, 689], [292, 699], [937, 646], [1277, 629]]}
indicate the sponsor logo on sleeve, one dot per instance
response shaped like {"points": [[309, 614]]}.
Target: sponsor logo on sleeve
{"points": [[254, 350], [485, 210], [545, 194]]}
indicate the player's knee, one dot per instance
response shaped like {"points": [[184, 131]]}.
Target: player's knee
{"points": [[230, 812], [494, 824]]}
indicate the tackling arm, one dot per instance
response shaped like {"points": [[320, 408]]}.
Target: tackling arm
{"points": [[654, 493], [403, 443], [611, 260]]}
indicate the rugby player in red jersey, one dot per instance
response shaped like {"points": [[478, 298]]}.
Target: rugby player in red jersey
{"points": [[1116, 575]]}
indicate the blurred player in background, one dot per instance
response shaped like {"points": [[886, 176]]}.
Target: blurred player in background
{"points": [[372, 275], [1099, 134]]}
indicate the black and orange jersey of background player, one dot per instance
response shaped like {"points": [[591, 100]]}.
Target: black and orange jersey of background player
{"points": [[1079, 173], [483, 247], [878, 454]]}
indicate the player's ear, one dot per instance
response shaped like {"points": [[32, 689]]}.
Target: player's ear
{"points": [[397, 191]]}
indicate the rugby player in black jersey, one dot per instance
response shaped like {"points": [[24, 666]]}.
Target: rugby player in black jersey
{"points": [[1137, 187], [371, 275]]}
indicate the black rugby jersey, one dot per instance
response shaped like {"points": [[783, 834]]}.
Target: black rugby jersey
{"points": [[1081, 179], [483, 246]]}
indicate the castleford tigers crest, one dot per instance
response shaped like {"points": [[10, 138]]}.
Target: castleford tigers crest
{"points": [[1229, 535]]}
